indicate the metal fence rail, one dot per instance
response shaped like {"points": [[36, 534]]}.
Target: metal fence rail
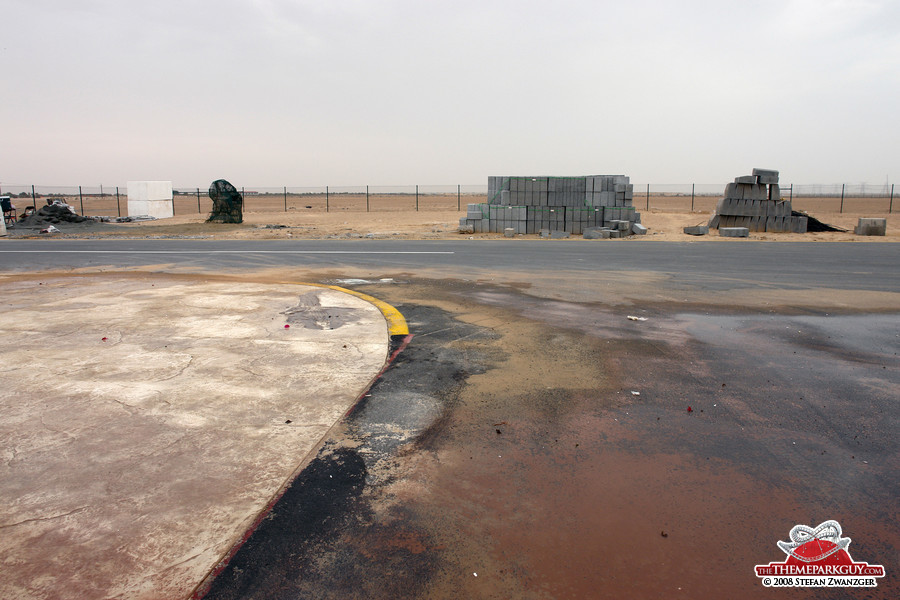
{"points": [[104, 200]]}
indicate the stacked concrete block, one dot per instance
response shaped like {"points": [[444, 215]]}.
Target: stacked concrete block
{"points": [[754, 202], [580, 218], [551, 218], [571, 204]]}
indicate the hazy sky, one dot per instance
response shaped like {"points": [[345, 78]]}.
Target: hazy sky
{"points": [[396, 92]]}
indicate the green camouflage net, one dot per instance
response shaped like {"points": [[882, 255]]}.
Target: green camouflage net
{"points": [[227, 203]]}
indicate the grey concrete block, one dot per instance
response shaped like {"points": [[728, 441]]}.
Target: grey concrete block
{"points": [[638, 229], [759, 192], [714, 221], [869, 226], [559, 235], [509, 232], [774, 192], [697, 230], [751, 179], [734, 232], [801, 224], [615, 234], [766, 176], [592, 234]]}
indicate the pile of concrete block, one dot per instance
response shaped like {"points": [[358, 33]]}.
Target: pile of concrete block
{"points": [[754, 202], [571, 204]]}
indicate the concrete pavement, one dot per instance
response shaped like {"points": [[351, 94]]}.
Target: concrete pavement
{"points": [[147, 420]]}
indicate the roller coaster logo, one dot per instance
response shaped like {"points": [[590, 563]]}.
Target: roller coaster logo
{"points": [[818, 558]]}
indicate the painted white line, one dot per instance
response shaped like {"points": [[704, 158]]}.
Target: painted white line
{"points": [[216, 252]]}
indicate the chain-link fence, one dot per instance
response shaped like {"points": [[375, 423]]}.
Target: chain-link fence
{"points": [[687, 197]]}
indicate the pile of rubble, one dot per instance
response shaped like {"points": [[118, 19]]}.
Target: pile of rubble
{"points": [[575, 205], [52, 214]]}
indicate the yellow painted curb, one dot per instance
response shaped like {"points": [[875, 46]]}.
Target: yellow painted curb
{"points": [[395, 321]]}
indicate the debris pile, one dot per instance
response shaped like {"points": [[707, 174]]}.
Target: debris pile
{"points": [[52, 214], [754, 202], [576, 205]]}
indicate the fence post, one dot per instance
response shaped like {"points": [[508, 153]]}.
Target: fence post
{"points": [[367, 198], [243, 200], [457, 199], [33, 199], [891, 205], [842, 197], [692, 197], [81, 199], [326, 198], [198, 201], [792, 193], [417, 197], [648, 196], [285, 198], [119, 208]]}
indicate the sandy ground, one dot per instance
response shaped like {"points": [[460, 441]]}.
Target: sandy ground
{"points": [[663, 224]]}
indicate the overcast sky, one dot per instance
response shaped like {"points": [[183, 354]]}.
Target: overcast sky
{"points": [[397, 92]]}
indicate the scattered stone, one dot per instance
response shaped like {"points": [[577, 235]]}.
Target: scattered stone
{"points": [[509, 232]]}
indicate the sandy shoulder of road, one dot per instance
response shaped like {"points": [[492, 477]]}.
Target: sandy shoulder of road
{"points": [[299, 224]]}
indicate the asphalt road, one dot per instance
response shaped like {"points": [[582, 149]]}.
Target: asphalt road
{"points": [[845, 266]]}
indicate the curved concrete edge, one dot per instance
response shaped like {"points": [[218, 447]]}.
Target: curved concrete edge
{"points": [[396, 323], [399, 336]]}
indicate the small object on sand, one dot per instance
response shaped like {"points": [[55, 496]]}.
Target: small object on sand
{"points": [[690, 409], [286, 326], [633, 318]]}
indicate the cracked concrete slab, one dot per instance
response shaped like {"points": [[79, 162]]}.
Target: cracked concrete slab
{"points": [[146, 421]]}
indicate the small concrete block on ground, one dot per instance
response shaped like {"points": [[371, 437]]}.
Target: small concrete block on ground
{"points": [[638, 229], [559, 235], [868, 226], [509, 232], [697, 230], [734, 232]]}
